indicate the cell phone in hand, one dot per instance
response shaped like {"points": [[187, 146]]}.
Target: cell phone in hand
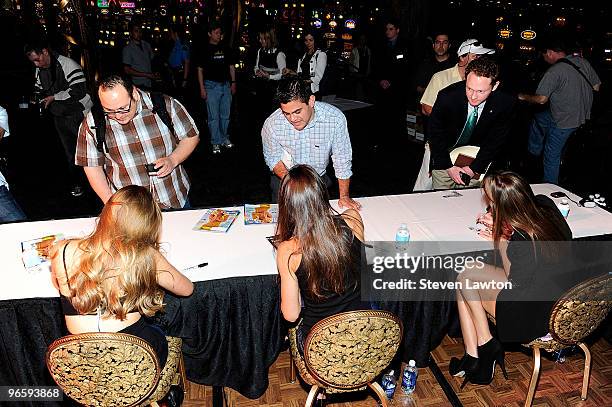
{"points": [[151, 168], [465, 178]]}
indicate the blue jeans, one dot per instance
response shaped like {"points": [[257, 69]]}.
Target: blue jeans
{"points": [[218, 104], [545, 135], [9, 209]]}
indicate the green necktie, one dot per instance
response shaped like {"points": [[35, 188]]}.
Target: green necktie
{"points": [[468, 129]]}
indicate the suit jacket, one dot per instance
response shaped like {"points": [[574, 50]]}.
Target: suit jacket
{"points": [[448, 118]]}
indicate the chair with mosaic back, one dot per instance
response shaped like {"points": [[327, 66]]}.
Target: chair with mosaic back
{"points": [[346, 352], [114, 369], [573, 318]]}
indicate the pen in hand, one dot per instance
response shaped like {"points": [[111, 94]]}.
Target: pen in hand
{"points": [[197, 266]]}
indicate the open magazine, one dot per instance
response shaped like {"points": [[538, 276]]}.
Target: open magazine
{"points": [[35, 252], [216, 220], [260, 214]]}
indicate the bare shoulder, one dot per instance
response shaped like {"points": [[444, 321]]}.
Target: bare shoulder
{"points": [[287, 256]]}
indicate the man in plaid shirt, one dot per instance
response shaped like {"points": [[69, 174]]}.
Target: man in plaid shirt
{"points": [[135, 137], [303, 131]]}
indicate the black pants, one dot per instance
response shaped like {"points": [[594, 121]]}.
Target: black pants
{"points": [[67, 128], [275, 185]]}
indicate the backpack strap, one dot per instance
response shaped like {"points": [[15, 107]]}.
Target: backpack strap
{"points": [[99, 126], [577, 68], [160, 109]]}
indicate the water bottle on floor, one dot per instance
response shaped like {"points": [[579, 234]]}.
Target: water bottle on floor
{"points": [[402, 237], [409, 377], [388, 384]]}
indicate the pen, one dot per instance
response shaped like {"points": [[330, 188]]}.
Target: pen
{"points": [[196, 266]]}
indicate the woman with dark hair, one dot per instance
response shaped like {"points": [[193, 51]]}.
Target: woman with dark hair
{"points": [[319, 253], [312, 64], [524, 229], [109, 280]]}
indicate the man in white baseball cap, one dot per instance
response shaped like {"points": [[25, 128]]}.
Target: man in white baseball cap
{"points": [[468, 51]]}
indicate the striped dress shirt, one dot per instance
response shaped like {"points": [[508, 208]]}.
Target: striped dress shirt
{"points": [[141, 141]]}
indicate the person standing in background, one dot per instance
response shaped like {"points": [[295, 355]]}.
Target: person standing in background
{"points": [[217, 79], [137, 57], [270, 63], [62, 89], [438, 61], [10, 211], [568, 87], [179, 59], [311, 66]]}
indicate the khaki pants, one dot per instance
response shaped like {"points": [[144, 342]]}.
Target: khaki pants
{"points": [[441, 180]]}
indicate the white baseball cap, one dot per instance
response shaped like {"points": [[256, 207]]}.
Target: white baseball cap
{"points": [[473, 46]]}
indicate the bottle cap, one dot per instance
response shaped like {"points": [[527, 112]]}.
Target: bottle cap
{"points": [[412, 363], [403, 225], [564, 201]]}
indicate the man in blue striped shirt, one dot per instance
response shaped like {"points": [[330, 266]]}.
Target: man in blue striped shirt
{"points": [[303, 131]]}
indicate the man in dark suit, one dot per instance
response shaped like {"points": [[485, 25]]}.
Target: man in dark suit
{"points": [[470, 112]]}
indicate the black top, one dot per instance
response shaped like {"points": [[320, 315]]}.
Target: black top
{"points": [[522, 313], [448, 118], [392, 63], [305, 65], [315, 310], [215, 60], [429, 67], [267, 58]]}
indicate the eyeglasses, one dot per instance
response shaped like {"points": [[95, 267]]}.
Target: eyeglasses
{"points": [[120, 111]]}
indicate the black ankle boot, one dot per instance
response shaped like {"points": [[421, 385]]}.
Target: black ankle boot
{"points": [[459, 367], [489, 354]]}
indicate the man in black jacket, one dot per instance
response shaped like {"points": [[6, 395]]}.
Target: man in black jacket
{"points": [[62, 89], [471, 112]]}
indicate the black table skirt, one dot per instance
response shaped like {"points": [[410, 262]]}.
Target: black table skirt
{"points": [[231, 330]]}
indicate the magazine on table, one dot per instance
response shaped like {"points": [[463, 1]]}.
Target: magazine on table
{"points": [[35, 252], [216, 220], [260, 214]]}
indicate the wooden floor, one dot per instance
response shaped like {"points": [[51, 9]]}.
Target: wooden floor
{"points": [[559, 384]]}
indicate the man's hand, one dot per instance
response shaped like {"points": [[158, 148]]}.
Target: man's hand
{"points": [[233, 88], [455, 173], [165, 166], [468, 171], [385, 84], [47, 101], [203, 93], [348, 202]]}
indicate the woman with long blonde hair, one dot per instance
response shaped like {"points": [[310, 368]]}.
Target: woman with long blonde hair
{"points": [[112, 278], [526, 230], [319, 254]]}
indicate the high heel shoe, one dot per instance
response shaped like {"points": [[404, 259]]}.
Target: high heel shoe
{"points": [[489, 354], [459, 367]]}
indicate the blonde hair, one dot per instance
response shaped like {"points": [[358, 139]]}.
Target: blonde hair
{"points": [[269, 37], [116, 271]]}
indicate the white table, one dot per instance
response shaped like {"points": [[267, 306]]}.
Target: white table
{"points": [[244, 250]]}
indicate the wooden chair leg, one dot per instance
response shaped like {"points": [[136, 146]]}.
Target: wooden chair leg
{"points": [[312, 395], [587, 370], [382, 396], [292, 374], [534, 377]]}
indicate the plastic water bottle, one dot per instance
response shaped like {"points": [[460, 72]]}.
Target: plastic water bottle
{"points": [[402, 237], [564, 207], [409, 377], [388, 384]]}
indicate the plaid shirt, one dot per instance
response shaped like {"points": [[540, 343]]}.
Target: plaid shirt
{"points": [[326, 134], [143, 140]]}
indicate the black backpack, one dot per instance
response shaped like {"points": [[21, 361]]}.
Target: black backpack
{"points": [[159, 108]]}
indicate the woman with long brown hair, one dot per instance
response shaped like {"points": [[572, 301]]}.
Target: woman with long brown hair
{"points": [[319, 253], [111, 278], [524, 229]]}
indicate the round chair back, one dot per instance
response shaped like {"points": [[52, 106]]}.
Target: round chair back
{"points": [[581, 309], [350, 349], [104, 369]]}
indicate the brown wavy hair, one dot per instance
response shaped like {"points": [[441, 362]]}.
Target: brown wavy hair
{"points": [[116, 271], [304, 213], [512, 204]]}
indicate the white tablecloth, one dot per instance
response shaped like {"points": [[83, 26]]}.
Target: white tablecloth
{"points": [[244, 250]]}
